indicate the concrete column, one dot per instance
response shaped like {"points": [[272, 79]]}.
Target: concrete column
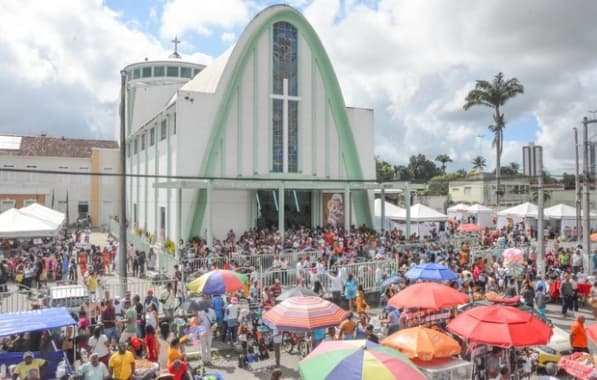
{"points": [[208, 208], [407, 207], [179, 213], [347, 208], [383, 208], [281, 216]]}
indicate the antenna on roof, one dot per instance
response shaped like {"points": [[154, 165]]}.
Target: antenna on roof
{"points": [[175, 54]]}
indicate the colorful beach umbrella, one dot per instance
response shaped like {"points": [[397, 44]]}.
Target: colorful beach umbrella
{"points": [[503, 326], [357, 359], [431, 272], [392, 280], [304, 314], [423, 343], [428, 295], [219, 281]]}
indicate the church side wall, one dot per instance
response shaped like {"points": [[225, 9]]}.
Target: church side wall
{"points": [[362, 125], [148, 100]]}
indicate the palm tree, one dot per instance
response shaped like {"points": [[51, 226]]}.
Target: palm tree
{"points": [[444, 159], [494, 94], [479, 163]]}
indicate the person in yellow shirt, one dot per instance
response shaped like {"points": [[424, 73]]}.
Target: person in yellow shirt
{"points": [[122, 363], [174, 352], [22, 369], [91, 283]]}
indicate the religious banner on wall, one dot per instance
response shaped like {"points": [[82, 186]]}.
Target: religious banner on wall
{"points": [[333, 209]]}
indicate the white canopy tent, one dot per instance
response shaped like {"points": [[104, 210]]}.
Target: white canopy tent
{"points": [[483, 214], [423, 219], [560, 211], [44, 213], [517, 214], [15, 224], [458, 211], [391, 213]]}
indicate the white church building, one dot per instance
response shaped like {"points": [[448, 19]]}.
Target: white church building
{"points": [[259, 137]]}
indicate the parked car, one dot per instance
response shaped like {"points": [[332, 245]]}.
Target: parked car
{"points": [[558, 346]]}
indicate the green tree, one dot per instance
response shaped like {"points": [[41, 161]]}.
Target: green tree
{"points": [[479, 163], [515, 166], [421, 169], [384, 171], [569, 181], [443, 159], [494, 95]]}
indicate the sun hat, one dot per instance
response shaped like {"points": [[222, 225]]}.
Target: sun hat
{"points": [[28, 354]]}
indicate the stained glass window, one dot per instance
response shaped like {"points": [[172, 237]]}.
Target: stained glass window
{"points": [[278, 135], [285, 106]]}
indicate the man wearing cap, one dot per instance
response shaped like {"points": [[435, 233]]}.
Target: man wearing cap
{"points": [[122, 363], [150, 299], [93, 369], [29, 363]]}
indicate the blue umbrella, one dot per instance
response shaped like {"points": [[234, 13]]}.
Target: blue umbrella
{"points": [[431, 272], [392, 280]]}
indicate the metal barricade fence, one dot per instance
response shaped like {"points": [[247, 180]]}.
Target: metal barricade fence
{"points": [[369, 274]]}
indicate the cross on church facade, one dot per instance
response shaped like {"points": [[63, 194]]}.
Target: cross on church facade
{"points": [[285, 97], [175, 41]]}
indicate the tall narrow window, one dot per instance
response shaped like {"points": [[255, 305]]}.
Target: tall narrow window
{"points": [[285, 100]]}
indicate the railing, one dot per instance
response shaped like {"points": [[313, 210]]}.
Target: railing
{"points": [[138, 242]]}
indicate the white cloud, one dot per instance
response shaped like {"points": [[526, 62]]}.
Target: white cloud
{"points": [[228, 37], [181, 16], [414, 62]]}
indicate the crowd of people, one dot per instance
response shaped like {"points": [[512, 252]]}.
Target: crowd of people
{"points": [[113, 333]]}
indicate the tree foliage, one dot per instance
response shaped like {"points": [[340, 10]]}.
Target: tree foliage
{"points": [[443, 159]]}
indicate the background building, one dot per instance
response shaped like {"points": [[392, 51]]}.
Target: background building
{"points": [[481, 189], [96, 196], [264, 126]]}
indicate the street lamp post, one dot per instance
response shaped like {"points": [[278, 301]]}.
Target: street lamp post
{"points": [[586, 228], [122, 231], [577, 188]]}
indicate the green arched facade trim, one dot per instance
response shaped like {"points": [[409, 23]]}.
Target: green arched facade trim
{"points": [[333, 97]]}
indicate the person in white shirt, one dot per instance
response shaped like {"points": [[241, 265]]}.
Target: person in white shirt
{"points": [[206, 318], [336, 286], [99, 344], [299, 272], [94, 369]]}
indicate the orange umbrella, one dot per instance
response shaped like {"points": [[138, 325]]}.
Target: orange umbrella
{"points": [[428, 295], [594, 236], [423, 343]]}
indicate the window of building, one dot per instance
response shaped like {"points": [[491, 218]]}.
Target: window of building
{"points": [[285, 100], [467, 190], [196, 71], [146, 73], [108, 179], [174, 124], [83, 209], [128, 149], [186, 72], [163, 130], [172, 71], [8, 177], [29, 202], [136, 145], [151, 136], [30, 177], [136, 73], [7, 204], [159, 71], [142, 142]]}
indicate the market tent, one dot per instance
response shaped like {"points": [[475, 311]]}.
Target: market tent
{"points": [[560, 211], [15, 224], [391, 212], [34, 320], [44, 213], [516, 214], [525, 210], [458, 208], [421, 213], [483, 214]]}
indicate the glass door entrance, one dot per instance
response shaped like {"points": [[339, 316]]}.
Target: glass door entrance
{"points": [[297, 208]]}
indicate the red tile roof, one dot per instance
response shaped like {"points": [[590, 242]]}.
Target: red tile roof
{"points": [[58, 147]]}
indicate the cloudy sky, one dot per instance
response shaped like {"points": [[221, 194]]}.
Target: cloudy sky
{"points": [[412, 61]]}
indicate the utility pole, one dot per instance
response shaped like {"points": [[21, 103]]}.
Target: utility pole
{"points": [[540, 242], [122, 238], [586, 228], [577, 188]]}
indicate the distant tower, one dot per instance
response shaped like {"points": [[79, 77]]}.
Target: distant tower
{"points": [[530, 158]]}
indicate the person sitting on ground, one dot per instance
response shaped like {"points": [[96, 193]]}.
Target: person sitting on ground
{"points": [[29, 363], [371, 336]]}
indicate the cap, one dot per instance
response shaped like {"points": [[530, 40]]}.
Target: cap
{"points": [[28, 354]]}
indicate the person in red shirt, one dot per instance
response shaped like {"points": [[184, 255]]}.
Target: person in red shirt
{"points": [[178, 369], [152, 344]]}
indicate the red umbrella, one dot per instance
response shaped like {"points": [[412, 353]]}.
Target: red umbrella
{"points": [[469, 227], [502, 326], [428, 295]]}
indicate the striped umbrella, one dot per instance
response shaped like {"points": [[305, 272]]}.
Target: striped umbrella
{"points": [[357, 359], [304, 314], [219, 281]]}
